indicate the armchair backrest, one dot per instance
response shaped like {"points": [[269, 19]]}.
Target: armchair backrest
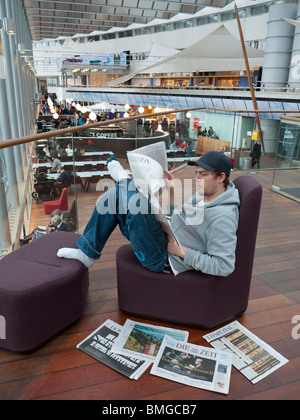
{"points": [[250, 192], [63, 199]]}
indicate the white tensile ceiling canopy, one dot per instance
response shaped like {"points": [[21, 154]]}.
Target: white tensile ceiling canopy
{"points": [[218, 49], [51, 19]]}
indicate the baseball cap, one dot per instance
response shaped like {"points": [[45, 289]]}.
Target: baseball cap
{"points": [[214, 161]]}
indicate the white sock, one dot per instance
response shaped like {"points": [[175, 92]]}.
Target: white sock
{"points": [[76, 254], [116, 170]]}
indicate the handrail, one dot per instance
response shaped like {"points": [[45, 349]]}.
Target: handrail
{"points": [[55, 133], [262, 89]]}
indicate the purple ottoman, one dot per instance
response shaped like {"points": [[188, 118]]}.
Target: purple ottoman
{"points": [[40, 294]]}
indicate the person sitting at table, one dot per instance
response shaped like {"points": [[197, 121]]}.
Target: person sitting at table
{"points": [[39, 231], [63, 175], [46, 150], [62, 152], [183, 145], [173, 146], [56, 163], [69, 148], [76, 152]]}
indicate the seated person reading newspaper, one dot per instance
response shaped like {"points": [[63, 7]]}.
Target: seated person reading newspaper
{"points": [[201, 236]]}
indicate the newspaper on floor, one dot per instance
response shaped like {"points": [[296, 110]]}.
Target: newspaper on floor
{"points": [[251, 356], [98, 345], [197, 366], [144, 340]]}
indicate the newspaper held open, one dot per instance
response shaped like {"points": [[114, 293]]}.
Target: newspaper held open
{"points": [[147, 165], [197, 366]]}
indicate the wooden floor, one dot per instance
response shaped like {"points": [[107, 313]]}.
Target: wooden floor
{"points": [[60, 371]]}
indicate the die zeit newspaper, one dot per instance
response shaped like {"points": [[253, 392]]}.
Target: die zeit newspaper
{"points": [[197, 366]]}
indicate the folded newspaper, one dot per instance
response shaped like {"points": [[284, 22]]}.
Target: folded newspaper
{"points": [[193, 365], [98, 345], [251, 356], [144, 340], [147, 165]]}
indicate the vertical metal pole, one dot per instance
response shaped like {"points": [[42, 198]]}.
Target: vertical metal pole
{"points": [[5, 239], [249, 78]]}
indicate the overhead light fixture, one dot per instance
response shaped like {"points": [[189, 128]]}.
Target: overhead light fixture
{"points": [[8, 25], [141, 109], [157, 109], [188, 115], [92, 116]]}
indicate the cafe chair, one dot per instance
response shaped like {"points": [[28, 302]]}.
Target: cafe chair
{"points": [[61, 203], [194, 298]]}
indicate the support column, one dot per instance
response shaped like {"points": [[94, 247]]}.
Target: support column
{"points": [[8, 153], [279, 42], [270, 128], [294, 75], [11, 94], [5, 239]]}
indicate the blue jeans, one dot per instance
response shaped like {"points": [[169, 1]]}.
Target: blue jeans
{"points": [[126, 207]]}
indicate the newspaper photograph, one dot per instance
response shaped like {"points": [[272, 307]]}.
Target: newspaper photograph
{"points": [[251, 356], [144, 340], [98, 345], [197, 366]]}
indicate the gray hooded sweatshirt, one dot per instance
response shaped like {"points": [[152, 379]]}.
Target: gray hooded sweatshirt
{"points": [[208, 231]]}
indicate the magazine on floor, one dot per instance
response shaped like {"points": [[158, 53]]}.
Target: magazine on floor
{"points": [[251, 356], [98, 345], [144, 340], [197, 366]]}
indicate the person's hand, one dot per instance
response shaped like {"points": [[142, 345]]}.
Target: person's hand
{"points": [[169, 178], [174, 249]]}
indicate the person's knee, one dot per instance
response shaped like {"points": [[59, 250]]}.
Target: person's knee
{"points": [[107, 202]]}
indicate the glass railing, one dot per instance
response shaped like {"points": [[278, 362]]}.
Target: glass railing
{"points": [[286, 177], [31, 184]]}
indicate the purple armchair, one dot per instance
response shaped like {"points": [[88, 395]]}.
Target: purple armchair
{"points": [[193, 298]]}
